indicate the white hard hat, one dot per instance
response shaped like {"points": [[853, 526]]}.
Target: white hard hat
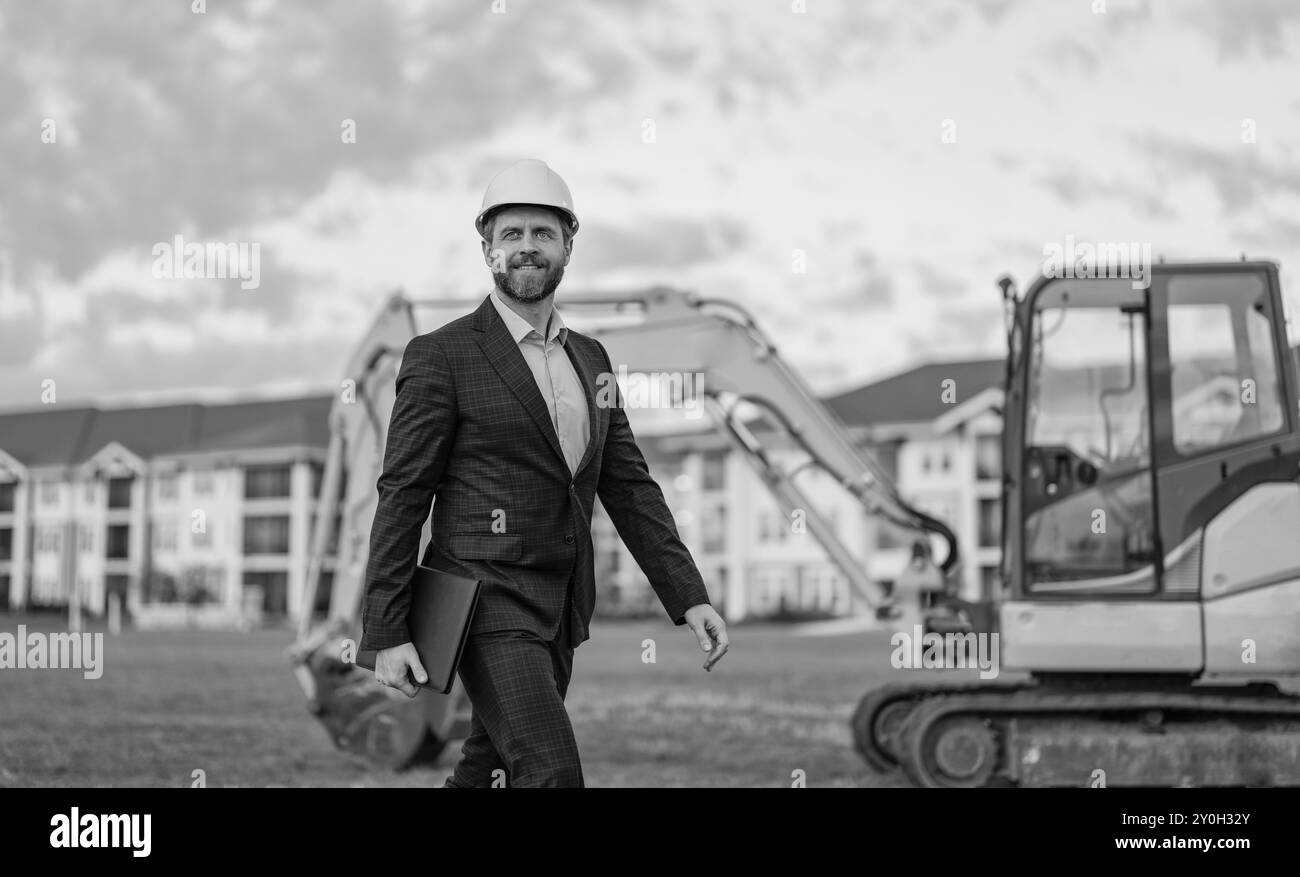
{"points": [[528, 181]]}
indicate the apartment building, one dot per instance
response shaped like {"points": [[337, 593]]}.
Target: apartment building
{"points": [[191, 512]]}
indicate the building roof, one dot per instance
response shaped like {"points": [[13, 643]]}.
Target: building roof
{"points": [[47, 437], [909, 397], [69, 436], [916, 395], [146, 432], [303, 421]]}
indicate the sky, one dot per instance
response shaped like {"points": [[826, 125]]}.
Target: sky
{"points": [[856, 174]]}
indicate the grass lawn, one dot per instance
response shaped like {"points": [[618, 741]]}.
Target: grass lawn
{"points": [[171, 702]]}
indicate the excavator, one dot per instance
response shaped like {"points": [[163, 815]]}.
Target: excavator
{"points": [[660, 330], [1149, 594], [1150, 581]]}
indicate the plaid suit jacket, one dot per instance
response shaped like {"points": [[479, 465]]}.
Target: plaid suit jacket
{"points": [[470, 427]]}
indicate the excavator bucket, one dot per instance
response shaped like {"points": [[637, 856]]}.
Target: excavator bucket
{"points": [[380, 725]]}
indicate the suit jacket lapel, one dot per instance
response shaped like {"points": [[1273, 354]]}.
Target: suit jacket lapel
{"points": [[504, 356]]}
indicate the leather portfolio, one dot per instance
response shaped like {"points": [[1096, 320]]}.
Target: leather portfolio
{"points": [[441, 612]]}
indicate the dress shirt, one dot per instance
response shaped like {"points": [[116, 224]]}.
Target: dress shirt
{"points": [[556, 378]]}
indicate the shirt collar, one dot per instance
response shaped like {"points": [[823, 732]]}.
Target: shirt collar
{"points": [[520, 328]]}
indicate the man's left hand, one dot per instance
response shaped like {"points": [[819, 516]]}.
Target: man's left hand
{"points": [[707, 625]]}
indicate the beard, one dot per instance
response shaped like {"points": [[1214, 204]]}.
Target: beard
{"points": [[529, 286]]}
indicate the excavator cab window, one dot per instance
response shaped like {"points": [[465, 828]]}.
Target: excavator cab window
{"points": [[1226, 384], [1087, 479]]}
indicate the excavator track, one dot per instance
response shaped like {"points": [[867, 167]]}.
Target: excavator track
{"points": [[881, 713], [1044, 736]]}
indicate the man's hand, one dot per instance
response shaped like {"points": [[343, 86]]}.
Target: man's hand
{"points": [[391, 666], [707, 625]]}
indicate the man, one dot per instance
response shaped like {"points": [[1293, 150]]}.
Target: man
{"points": [[496, 414]]}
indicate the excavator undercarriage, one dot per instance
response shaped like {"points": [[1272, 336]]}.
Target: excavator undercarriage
{"points": [[1083, 732]]}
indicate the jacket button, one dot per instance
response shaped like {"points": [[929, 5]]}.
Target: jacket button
{"points": [[569, 539]]}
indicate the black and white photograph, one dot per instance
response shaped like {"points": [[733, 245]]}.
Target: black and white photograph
{"points": [[726, 394]]}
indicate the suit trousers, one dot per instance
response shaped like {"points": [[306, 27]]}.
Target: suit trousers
{"points": [[516, 683]]}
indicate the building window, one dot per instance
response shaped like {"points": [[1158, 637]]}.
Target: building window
{"points": [[6, 548], [713, 476], [264, 482], [119, 493], [318, 479], [201, 539], [7, 497], [267, 534], [274, 587], [988, 457], [990, 524], [203, 584], [324, 590], [332, 546], [713, 529], [164, 536], [772, 527], [89, 490], [116, 584], [118, 542], [47, 539], [988, 581], [717, 586], [49, 492], [86, 538], [167, 487], [202, 481]]}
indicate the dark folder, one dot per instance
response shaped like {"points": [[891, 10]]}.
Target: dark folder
{"points": [[442, 609]]}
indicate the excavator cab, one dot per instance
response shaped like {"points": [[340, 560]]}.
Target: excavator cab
{"points": [[1148, 421]]}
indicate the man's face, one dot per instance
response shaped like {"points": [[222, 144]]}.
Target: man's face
{"points": [[527, 253]]}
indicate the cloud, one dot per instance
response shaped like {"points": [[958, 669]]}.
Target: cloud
{"points": [[20, 335], [1245, 28], [1075, 187], [151, 144], [657, 242], [938, 283], [1240, 176], [777, 132]]}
